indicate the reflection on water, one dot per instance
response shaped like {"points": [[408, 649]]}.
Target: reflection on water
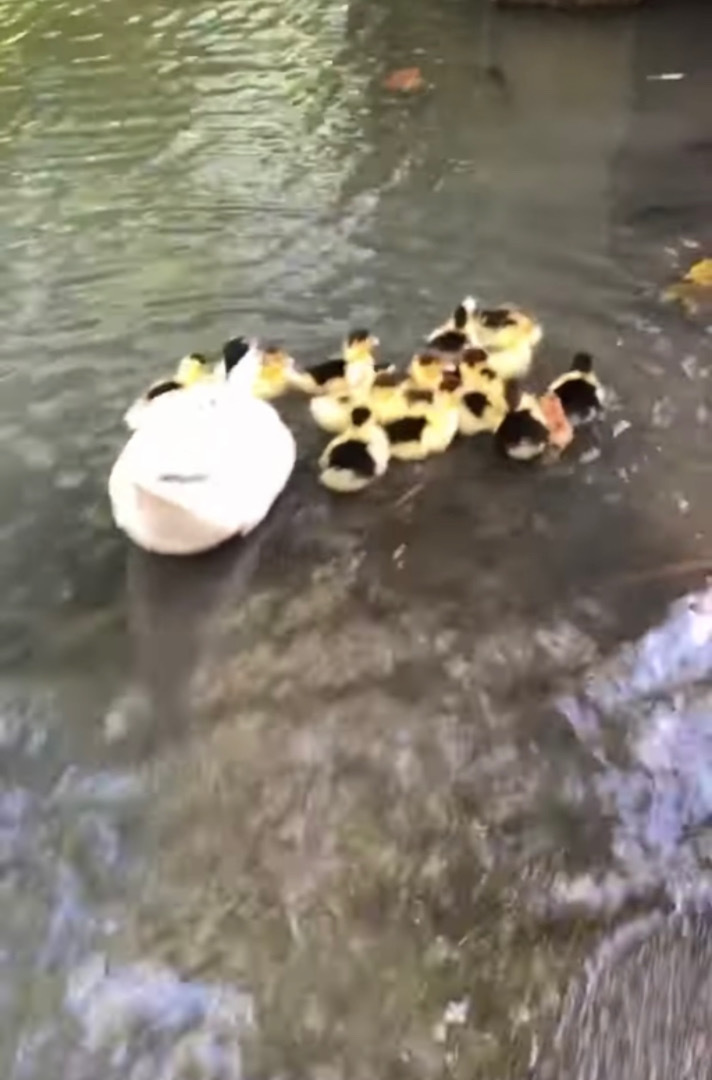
{"points": [[360, 807]]}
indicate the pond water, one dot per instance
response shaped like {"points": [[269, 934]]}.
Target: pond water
{"points": [[364, 795]]}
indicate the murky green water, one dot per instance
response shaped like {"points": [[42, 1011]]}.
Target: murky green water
{"points": [[326, 771]]}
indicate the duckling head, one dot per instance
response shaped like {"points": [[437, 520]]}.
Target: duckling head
{"points": [[582, 362], [427, 369], [276, 360], [359, 346], [192, 369]]}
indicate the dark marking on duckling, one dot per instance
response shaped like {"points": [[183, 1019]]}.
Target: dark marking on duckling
{"points": [[428, 358], [476, 402], [324, 373], [579, 399], [407, 429], [582, 362], [451, 381], [390, 379], [416, 396], [201, 358], [459, 317], [356, 336], [352, 456], [473, 357], [234, 351], [496, 318], [360, 415], [519, 429], [449, 341], [163, 388]]}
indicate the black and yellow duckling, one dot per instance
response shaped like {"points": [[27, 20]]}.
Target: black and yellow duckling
{"points": [[276, 373], [524, 433], [356, 458], [458, 332], [191, 369], [580, 391], [354, 369], [505, 327], [428, 423], [426, 369]]}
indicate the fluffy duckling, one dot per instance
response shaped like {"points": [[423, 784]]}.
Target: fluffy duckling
{"points": [[354, 370], [332, 412], [506, 327], [458, 332], [429, 423], [191, 369], [426, 369], [579, 390], [355, 459], [275, 374], [482, 399], [205, 464], [524, 432]]}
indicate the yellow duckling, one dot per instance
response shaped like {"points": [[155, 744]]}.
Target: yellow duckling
{"points": [[354, 370], [190, 370], [506, 327], [332, 412], [428, 424], [579, 391], [426, 369], [275, 373], [355, 459], [524, 432], [483, 400]]}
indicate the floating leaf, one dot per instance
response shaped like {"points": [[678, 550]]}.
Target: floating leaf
{"points": [[405, 80]]}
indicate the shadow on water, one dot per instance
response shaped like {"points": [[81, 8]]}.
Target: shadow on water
{"points": [[364, 794]]}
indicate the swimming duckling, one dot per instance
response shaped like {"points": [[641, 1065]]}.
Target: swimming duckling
{"points": [[205, 464], [458, 332], [426, 369], [524, 433], [579, 390], [332, 412], [355, 369], [274, 377], [191, 369], [429, 423], [355, 459], [506, 327]]}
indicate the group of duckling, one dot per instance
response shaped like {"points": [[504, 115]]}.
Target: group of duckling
{"points": [[175, 488]]}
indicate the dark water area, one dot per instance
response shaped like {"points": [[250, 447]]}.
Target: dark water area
{"points": [[410, 785]]}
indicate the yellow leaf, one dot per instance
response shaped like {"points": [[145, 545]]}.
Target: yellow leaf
{"points": [[700, 273]]}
